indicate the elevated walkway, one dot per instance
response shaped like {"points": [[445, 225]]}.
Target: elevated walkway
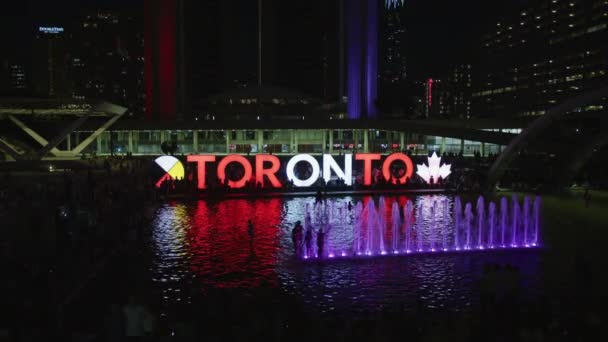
{"points": [[14, 112]]}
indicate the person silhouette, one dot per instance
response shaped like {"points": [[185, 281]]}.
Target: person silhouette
{"points": [[250, 229], [296, 237], [308, 242], [587, 197], [319, 196], [251, 232], [320, 242]]}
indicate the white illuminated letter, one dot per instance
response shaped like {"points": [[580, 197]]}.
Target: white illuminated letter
{"points": [[329, 163], [316, 170]]}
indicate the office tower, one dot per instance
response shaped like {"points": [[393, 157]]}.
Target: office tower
{"points": [[392, 65], [106, 59], [458, 92], [50, 60], [393, 55], [13, 77], [543, 55]]}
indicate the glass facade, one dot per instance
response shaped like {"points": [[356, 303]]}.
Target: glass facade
{"points": [[280, 141]]}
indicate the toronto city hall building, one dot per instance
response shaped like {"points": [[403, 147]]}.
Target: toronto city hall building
{"points": [[532, 61]]}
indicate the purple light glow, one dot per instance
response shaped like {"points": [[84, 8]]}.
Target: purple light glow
{"points": [[371, 65], [428, 225], [362, 51], [355, 58]]}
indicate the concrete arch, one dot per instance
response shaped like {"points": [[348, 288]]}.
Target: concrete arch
{"points": [[585, 153], [535, 129]]}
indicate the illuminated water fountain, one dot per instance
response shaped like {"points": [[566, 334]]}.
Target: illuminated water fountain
{"points": [[428, 226]]}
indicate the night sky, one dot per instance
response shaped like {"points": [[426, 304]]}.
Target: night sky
{"points": [[436, 29], [444, 32]]}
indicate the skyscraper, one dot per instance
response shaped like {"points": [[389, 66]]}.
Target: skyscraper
{"points": [[449, 97], [362, 57], [13, 77], [393, 60], [50, 63], [392, 67], [541, 56], [106, 59]]}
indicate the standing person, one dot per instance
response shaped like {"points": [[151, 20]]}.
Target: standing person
{"points": [[321, 237], [251, 232], [319, 196], [320, 242], [587, 197], [308, 242], [250, 229], [296, 237]]}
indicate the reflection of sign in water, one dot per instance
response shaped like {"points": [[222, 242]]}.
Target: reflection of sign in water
{"points": [[174, 168], [433, 169]]}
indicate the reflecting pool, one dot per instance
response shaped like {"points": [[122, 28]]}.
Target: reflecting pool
{"points": [[203, 245]]}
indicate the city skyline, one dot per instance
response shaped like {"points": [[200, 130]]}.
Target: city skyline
{"points": [[434, 28], [293, 170]]}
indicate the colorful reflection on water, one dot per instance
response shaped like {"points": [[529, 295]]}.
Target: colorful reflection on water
{"points": [[203, 245]]}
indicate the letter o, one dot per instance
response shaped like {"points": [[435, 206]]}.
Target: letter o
{"points": [[409, 167], [235, 158], [316, 170]]}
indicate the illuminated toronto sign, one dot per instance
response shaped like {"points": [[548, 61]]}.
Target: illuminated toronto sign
{"points": [[174, 169], [433, 170], [267, 166]]}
